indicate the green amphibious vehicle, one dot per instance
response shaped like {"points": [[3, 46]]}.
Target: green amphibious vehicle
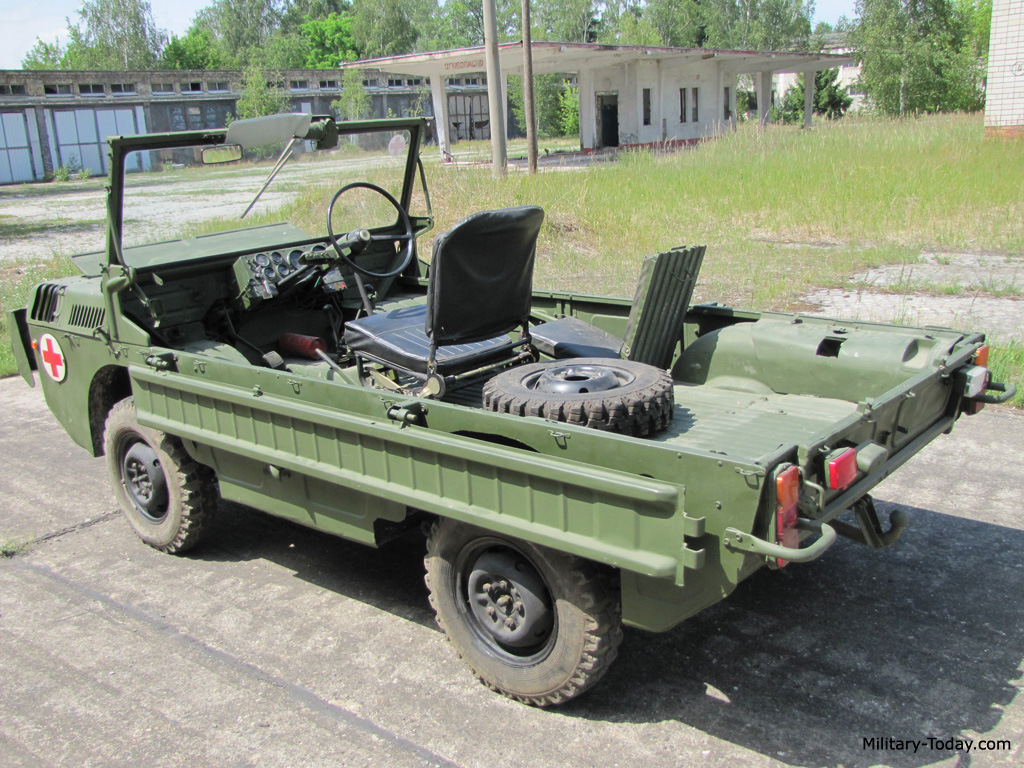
{"points": [[576, 462]]}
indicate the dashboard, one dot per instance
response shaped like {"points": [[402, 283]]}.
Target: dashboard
{"points": [[261, 276]]}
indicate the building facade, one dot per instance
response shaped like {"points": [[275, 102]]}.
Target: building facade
{"points": [[60, 119], [1004, 92]]}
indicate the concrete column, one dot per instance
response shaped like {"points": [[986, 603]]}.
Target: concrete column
{"points": [[808, 98], [733, 120], [588, 104], [439, 96], [496, 101], [504, 100], [764, 97]]}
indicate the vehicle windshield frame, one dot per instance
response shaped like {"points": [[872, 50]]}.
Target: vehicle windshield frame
{"points": [[122, 146]]}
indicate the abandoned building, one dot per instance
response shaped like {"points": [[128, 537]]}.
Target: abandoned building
{"points": [[629, 96]]}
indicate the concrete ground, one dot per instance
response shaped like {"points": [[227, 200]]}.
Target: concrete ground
{"points": [[274, 645]]}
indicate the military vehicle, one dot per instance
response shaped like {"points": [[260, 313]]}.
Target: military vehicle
{"points": [[577, 462]]}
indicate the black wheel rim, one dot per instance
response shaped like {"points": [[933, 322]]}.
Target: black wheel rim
{"points": [[577, 379], [144, 481], [506, 603]]}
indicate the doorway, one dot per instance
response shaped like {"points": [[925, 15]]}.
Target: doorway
{"points": [[608, 120]]}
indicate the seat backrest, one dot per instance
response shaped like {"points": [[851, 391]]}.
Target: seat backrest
{"points": [[481, 276], [660, 304]]}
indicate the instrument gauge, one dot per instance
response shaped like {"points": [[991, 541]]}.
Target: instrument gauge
{"points": [[276, 257], [269, 273], [262, 260], [283, 269], [293, 258]]}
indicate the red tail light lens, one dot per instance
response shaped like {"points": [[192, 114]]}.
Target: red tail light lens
{"points": [[787, 503], [842, 469]]}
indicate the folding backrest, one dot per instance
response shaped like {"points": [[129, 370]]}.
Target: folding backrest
{"points": [[481, 276], [659, 307]]}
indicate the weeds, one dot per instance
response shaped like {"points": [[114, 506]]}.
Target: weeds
{"points": [[1007, 365], [13, 547]]}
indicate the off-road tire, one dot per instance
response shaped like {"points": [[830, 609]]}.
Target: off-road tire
{"points": [[180, 514], [584, 603], [641, 407]]}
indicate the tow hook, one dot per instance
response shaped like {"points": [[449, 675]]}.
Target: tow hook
{"points": [[868, 530]]}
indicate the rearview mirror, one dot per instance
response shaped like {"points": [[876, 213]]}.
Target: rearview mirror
{"points": [[223, 154], [272, 129]]}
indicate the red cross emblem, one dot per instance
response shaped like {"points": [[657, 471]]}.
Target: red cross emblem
{"points": [[53, 358]]}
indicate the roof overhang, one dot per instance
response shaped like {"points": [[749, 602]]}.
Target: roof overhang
{"points": [[551, 57]]}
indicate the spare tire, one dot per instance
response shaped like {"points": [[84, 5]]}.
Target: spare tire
{"points": [[601, 393]]}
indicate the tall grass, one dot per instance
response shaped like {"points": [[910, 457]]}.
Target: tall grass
{"points": [[781, 210]]}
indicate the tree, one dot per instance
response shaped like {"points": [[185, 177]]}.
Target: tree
{"points": [[570, 21], [383, 27], [44, 55], [110, 34], [547, 95], [260, 94], [298, 12], [354, 102], [196, 50], [830, 99], [242, 28], [114, 34], [329, 40], [918, 57], [569, 111]]}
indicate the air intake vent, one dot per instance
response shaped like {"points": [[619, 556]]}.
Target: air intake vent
{"points": [[44, 310], [87, 317]]}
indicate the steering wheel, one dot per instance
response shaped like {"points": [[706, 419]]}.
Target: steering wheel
{"points": [[355, 242]]}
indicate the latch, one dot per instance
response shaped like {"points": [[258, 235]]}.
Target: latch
{"points": [[407, 412], [162, 362]]}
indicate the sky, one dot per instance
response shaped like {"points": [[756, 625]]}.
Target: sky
{"points": [[25, 21]]}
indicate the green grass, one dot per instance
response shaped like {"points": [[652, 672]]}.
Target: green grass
{"points": [[1007, 365], [16, 284], [13, 547]]}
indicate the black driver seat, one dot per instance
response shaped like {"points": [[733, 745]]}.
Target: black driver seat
{"points": [[480, 287]]}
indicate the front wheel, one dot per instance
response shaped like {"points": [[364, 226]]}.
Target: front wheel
{"points": [[534, 624], [168, 497]]}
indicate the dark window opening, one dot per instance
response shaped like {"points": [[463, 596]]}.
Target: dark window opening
{"points": [[57, 89], [163, 87], [329, 85], [95, 89], [191, 87], [694, 93], [682, 105], [647, 106], [298, 85], [122, 87], [727, 108]]}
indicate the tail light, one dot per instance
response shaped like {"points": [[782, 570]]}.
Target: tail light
{"points": [[787, 503], [841, 469], [981, 356]]}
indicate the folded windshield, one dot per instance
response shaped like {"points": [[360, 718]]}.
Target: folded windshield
{"points": [[169, 194]]}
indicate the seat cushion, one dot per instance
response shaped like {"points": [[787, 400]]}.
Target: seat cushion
{"points": [[571, 337], [398, 338]]}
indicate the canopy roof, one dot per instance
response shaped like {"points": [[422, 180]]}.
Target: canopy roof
{"points": [[572, 57]]}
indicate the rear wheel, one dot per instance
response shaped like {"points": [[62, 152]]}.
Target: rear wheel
{"points": [[537, 625], [168, 497]]}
